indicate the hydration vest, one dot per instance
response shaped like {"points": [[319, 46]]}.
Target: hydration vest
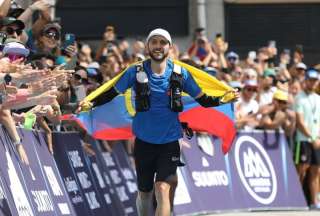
{"points": [[142, 89]]}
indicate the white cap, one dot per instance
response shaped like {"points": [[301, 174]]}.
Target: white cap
{"points": [[15, 48], [94, 65], [301, 65], [160, 32]]}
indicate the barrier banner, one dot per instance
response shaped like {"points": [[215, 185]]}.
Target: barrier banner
{"points": [[68, 175], [122, 159], [73, 149], [34, 180], [4, 202], [257, 174], [13, 178], [103, 187], [51, 174], [120, 182], [117, 208]]}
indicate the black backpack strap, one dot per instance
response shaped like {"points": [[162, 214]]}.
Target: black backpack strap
{"points": [[176, 88], [142, 90], [139, 66]]}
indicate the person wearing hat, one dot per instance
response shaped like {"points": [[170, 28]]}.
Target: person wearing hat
{"points": [[277, 115], [247, 107], [156, 124], [307, 108], [47, 42], [14, 50], [299, 71], [267, 87], [232, 60], [12, 27]]}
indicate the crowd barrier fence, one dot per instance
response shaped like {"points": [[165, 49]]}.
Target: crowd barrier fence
{"points": [[257, 174]]}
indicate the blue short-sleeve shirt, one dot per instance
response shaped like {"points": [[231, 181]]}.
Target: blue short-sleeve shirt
{"points": [[159, 124]]}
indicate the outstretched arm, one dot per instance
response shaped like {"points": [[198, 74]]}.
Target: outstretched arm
{"points": [[211, 101], [105, 97]]}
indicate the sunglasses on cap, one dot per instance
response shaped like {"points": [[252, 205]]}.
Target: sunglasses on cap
{"points": [[283, 81], [52, 35], [250, 89], [232, 59], [282, 102], [11, 31]]}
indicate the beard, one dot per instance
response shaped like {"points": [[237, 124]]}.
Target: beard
{"points": [[158, 57]]}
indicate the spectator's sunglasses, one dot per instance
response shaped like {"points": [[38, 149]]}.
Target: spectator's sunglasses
{"points": [[283, 81], [52, 35], [11, 31], [282, 102], [13, 57], [251, 89]]}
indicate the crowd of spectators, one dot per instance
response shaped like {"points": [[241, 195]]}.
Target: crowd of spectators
{"points": [[42, 77]]}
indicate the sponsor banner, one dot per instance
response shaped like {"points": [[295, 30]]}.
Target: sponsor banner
{"points": [[123, 188], [265, 171], [11, 174], [39, 193], [51, 175], [78, 162], [67, 173], [130, 179], [102, 178], [110, 189], [4, 200], [258, 173]]}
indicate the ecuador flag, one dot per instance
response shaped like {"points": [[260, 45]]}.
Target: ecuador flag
{"points": [[217, 121]]}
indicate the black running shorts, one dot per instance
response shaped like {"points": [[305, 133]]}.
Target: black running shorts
{"points": [[305, 153], [159, 159]]}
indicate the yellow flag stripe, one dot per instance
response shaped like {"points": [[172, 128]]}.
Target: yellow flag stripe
{"points": [[208, 84], [128, 101]]}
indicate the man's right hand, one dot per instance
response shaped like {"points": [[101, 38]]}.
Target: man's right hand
{"points": [[84, 106]]}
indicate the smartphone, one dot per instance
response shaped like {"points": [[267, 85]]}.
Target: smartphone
{"points": [[69, 39]]}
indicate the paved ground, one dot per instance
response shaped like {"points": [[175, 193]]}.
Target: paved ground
{"points": [[269, 213]]}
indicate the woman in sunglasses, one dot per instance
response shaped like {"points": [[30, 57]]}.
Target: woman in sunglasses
{"points": [[49, 39], [47, 42]]}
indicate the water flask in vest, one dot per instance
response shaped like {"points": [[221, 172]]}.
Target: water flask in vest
{"points": [[176, 93], [142, 90]]}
